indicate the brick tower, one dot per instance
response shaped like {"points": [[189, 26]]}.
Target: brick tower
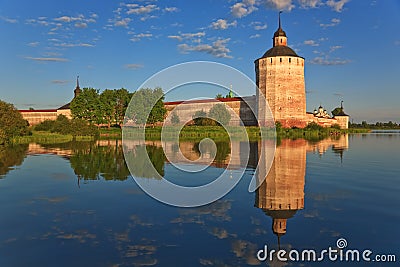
{"points": [[280, 78]]}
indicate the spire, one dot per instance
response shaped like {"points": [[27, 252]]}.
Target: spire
{"points": [[77, 90], [279, 38]]}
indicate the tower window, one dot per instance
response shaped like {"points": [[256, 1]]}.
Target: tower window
{"points": [[271, 60], [290, 60], [280, 59], [281, 40]]}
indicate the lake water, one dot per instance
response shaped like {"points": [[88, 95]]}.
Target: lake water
{"points": [[76, 204]]}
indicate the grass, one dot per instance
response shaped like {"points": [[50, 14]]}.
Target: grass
{"points": [[44, 137], [197, 132], [188, 133]]}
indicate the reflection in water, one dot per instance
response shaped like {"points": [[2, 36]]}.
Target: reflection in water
{"points": [[144, 168], [11, 156], [281, 194], [220, 154]]}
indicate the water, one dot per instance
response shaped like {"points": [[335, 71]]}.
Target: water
{"points": [[75, 204]]}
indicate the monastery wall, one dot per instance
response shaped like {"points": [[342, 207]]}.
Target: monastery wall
{"points": [[37, 116]]}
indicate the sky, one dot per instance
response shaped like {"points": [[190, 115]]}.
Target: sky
{"points": [[351, 47]]}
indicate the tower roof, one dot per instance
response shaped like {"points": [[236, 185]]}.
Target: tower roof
{"points": [[277, 51], [280, 49]]}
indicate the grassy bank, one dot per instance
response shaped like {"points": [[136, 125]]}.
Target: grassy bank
{"points": [[187, 133], [44, 137]]}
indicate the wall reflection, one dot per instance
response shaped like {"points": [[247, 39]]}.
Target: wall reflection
{"points": [[281, 194]]}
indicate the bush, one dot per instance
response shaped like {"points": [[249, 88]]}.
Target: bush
{"points": [[12, 123], [63, 125], [314, 126], [46, 125]]}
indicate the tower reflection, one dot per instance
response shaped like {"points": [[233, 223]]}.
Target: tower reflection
{"points": [[281, 194]]}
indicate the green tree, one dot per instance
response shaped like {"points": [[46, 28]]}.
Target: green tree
{"points": [[87, 106], [122, 97], [147, 106], [220, 114], [11, 122], [219, 96], [107, 101], [175, 118], [200, 118]]}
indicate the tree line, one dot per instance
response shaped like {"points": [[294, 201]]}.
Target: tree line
{"points": [[377, 125], [111, 107]]}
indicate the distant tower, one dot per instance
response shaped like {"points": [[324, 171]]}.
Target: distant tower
{"points": [[280, 78], [77, 90]]}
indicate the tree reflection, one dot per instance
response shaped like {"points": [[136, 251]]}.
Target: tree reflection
{"points": [[144, 168], [223, 150], [11, 156]]}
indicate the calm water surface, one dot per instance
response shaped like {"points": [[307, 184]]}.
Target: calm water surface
{"points": [[76, 204]]}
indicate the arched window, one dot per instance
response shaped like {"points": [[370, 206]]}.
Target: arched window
{"points": [[290, 60], [280, 60]]}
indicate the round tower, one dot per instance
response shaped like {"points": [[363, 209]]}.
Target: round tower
{"points": [[280, 78]]}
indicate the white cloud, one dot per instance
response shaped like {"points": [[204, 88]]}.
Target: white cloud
{"points": [[329, 62], [242, 9], [134, 66], [260, 27], [139, 36], [59, 81], [310, 42], [122, 23], [171, 9], [182, 36], [334, 48], [310, 3], [80, 20], [255, 36], [8, 19], [48, 59], [217, 48], [63, 19], [333, 23], [33, 44], [337, 5], [139, 10], [177, 37], [279, 4], [74, 45], [81, 25], [222, 24]]}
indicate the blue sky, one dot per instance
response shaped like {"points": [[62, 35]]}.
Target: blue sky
{"points": [[351, 47]]}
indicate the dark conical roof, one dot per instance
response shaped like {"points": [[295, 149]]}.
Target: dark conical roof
{"points": [[280, 50], [279, 32]]}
